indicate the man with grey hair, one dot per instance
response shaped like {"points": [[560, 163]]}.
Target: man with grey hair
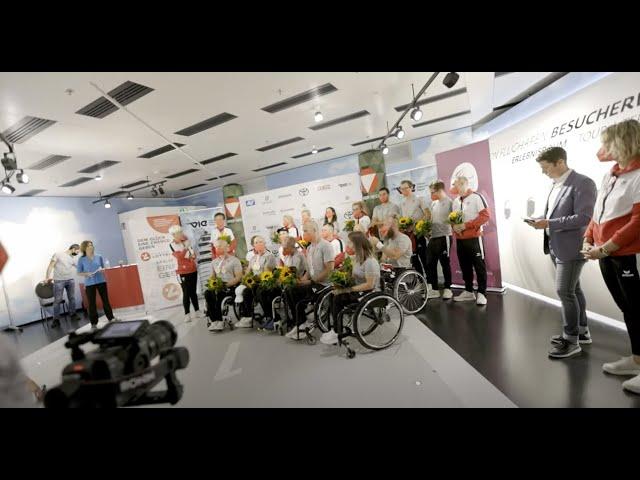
{"points": [[328, 234], [227, 268], [320, 260]]}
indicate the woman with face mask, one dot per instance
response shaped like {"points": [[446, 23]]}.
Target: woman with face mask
{"points": [[187, 271], [613, 236], [91, 267]]}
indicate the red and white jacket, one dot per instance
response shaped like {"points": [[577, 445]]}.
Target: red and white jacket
{"points": [[616, 216], [475, 213]]}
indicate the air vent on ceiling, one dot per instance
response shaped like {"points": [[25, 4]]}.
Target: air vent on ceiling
{"points": [[26, 128], [337, 121], [218, 158], [279, 144], [502, 74], [206, 124], [434, 98], [134, 184], [300, 98], [48, 162], [270, 166], [221, 176], [99, 166], [160, 151], [77, 181], [193, 186], [184, 172], [124, 94], [370, 140], [440, 119], [311, 153], [31, 193]]}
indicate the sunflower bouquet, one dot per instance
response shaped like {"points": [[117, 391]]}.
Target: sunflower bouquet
{"points": [[423, 228], [269, 280], [226, 238], [349, 225], [303, 243], [288, 277], [342, 278], [275, 237], [455, 217], [215, 284], [250, 280], [405, 223]]}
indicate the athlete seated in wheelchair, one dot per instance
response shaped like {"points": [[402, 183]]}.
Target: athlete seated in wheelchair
{"points": [[319, 262], [228, 269], [261, 261], [397, 274], [271, 299], [362, 310]]}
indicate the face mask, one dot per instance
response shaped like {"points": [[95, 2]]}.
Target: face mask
{"points": [[603, 156], [73, 254], [454, 190], [435, 197]]}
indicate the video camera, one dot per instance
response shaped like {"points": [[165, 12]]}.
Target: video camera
{"points": [[119, 373]]}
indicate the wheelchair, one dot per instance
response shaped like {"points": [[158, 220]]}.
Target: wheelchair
{"points": [[311, 306], [375, 320], [227, 306], [406, 285]]}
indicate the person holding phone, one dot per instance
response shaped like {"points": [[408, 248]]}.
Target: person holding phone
{"points": [[566, 216], [91, 267]]}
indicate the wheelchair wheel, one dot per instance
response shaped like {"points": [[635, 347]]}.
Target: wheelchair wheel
{"points": [[378, 321], [410, 289], [322, 311]]}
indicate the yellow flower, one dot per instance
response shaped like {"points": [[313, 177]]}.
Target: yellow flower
{"points": [[266, 276]]}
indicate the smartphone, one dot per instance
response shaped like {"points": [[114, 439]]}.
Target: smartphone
{"points": [[528, 220]]}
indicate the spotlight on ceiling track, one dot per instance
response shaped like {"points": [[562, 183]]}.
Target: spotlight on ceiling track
{"points": [[318, 117], [97, 178], [153, 192], [7, 188], [107, 204], [385, 149], [400, 133], [161, 190], [450, 79], [22, 177], [314, 151], [130, 196], [416, 114]]}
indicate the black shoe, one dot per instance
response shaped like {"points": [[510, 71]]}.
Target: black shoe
{"points": [[564, 349], [55, 323], [583, 339]]}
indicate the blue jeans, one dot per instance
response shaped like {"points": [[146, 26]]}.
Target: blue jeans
{"points": [[59, 286], [574, 305]]}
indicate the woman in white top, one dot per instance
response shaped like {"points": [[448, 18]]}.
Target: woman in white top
{"points": [[366, 278], [287, 222], [361, 216]]}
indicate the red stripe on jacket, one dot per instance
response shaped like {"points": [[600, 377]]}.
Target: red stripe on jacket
{"points": [[624, 231], [472, 227]]}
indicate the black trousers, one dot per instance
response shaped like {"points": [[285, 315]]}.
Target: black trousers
{"points": [[246, 307], [337, 305], [297, 294], [421, 253], [437, 251], [104, 296], [189, 284], [621, 277], [214, 302], [265, 297], [471, 257]]}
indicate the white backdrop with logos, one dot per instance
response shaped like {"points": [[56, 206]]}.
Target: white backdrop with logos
{"points": [[521, 189], [262, 212], [421, 177]]}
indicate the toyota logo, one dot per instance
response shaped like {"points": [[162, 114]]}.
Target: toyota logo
{"points": [[303, 192]]}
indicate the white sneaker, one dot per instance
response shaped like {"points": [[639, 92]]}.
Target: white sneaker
{"points": [[216, 326], [329, 338], [633, 385], [198, 314], [433, 294], [447, 294], [624, 366], [481, 299], [294, 334], [188, 317], [465, 297], [309, 324], [244, 322]]}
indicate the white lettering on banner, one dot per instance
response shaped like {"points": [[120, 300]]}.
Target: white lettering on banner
{"points": [[521, 190], [337, 192]]}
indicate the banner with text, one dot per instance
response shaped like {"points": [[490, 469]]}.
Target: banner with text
{"points": [[262, 212]]}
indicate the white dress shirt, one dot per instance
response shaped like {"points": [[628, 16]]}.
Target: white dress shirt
{"points": [[555, 191]]}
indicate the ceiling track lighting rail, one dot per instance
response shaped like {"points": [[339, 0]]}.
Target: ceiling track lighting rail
{"points": [[156, 189], [10, 165]]}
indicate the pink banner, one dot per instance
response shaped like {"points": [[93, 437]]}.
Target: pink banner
{"points": [[474, 162]]}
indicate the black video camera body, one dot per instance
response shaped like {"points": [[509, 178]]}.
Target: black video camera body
{"points": [[120, 371]]}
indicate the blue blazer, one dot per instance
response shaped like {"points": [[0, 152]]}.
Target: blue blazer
{"points": [[569, 217]]}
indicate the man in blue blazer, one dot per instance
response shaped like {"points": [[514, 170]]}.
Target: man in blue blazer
{"points": [[567, 213]]}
